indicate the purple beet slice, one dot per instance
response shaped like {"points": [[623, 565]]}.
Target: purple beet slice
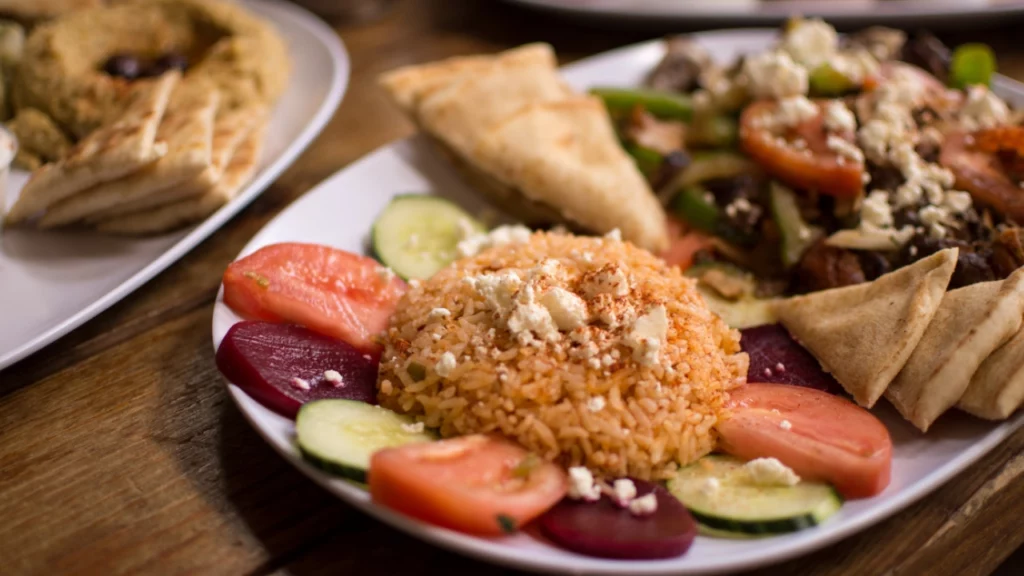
{"points": [[605, 530], [776, 358], [283, 366]]}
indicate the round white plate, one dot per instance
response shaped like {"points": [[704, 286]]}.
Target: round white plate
{"points": [[339, 213], [850, 12], [54, 281]]}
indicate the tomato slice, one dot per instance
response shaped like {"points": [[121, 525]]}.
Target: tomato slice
{"points": [[981, 173], [827, 438], [330, 291], [813, 167], [684, 245], [477, 484]]}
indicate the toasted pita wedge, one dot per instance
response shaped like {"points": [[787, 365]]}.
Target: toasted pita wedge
{"points": [[864, 334], [971, 323], [44, 9], [231, 128], [187, 128], [165, 218], [110, 152], [997, 389], [513, 124], [408, 85]]}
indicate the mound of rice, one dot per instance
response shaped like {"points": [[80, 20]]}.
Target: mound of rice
{"points": [[587, 351]]}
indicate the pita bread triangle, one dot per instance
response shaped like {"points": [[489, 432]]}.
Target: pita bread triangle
{"points": [[997, 388], [971, 323], [864, 334], [112, 151], [513, 120]]}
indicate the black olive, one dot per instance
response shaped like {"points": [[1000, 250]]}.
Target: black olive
{"points": [[172, 61], [123, 66]]}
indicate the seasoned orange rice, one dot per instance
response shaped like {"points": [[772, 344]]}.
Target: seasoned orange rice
{"points": [[587, 351]]}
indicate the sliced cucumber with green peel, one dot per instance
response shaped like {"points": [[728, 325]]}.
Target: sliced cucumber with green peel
{"points": [[713, 166], [416, 235], [797, 235], [719, 494], [340, 436]]}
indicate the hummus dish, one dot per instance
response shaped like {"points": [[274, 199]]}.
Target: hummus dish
{"points": [[217, 70]]}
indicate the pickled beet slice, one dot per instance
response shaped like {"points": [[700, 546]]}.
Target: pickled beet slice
{"points": [[266, 358], [776, 358], [605, 530]]}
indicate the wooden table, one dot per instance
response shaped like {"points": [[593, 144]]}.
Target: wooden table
{"points": [[120, 451]]}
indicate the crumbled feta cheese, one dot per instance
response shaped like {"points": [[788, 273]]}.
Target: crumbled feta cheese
{"points": [[649, 331], [568, 310], [774, 75], [612, 281], [738, 206], [839, 118], [615, 234], [875, 210], [786, 425], [445, 365], [416, 428], [607, 360], [845, 149], [299, 383], [795, 110], [936, 218], [496, 289], [334, 377], [855, 65], [581, 485], [644, 505], [438, 313], [624, 490], [958, 202], [983, 109], [770, 472], [386, 274], [710, 486], [596, 404], [530, 318], [500, 236], [810, 42]]}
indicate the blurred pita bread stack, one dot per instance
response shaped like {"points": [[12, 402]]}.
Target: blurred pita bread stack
{"points": [[521, 135], [171, 159], [925, 349]]}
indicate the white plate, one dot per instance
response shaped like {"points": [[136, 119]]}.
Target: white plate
{"points": [[52, 282], [339, 213], [690, 12]]}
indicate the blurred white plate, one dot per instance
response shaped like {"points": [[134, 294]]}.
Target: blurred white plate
{"points": [[339, 213], [52, 282], [691, 12]]}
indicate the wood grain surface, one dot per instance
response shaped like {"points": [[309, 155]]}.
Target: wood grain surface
{"points": [[120, 451]]}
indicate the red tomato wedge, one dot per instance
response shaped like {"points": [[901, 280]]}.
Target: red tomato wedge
{"points": [[684, 244], [330, 291], [814, 167], [828, 438], [476, 484], [981, 173]]}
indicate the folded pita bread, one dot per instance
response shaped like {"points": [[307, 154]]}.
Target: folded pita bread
{"points": [[115, 150], [231, 128], [997, 389], [864, 334], [44, 9], [165, 218], [511, 119], [187, 128], [971, 323]]}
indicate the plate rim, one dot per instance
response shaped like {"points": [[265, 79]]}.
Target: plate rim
{"points": [[762, 13], [341, 71], [503, 554]]}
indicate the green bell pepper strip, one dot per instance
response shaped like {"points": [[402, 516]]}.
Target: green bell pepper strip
{"points": [[972, 64], [665, 105]]}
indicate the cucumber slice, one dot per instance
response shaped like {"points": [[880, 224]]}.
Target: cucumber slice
{"points": [[797, 235], [417, 235], [740, 508], [339, 436]]}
